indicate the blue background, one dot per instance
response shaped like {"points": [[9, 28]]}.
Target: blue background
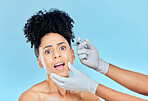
{"points": [[118, 29]]}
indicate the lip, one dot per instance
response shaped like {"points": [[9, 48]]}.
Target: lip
{"points": [[58, 62], [61, 67]]}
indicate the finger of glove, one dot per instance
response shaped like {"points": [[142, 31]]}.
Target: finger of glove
{"points": [[84, 61], [78, 39], [82, 56], [72, 68], [59, 78], [57, 82], [81, 45], [89, 45], [82, 51]]}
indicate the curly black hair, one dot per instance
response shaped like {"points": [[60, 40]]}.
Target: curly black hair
{"points": [[44, 22]]}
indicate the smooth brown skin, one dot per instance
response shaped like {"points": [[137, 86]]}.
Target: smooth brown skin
{"points": [[49, 90], [136, 82]]}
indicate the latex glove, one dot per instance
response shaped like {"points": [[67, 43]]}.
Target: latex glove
{"points": [[78, 82], [89, 56]]}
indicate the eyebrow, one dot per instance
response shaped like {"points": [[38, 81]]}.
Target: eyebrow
{"points": [[57, 44]]}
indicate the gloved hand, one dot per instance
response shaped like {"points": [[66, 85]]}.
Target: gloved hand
{"points": [[78, 82], [89, 56]]}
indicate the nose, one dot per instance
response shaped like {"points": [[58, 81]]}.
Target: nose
{"points": [[57, 54]]}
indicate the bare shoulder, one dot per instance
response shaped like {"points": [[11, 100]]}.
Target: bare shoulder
{"points": [[32, 94], [29, 96], [87, 96]]}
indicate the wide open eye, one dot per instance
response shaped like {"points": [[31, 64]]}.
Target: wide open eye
{"points": [[62, 48], [47, 51]]}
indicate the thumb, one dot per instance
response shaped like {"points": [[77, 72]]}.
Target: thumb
{"points": [[78, 39], [89, 45], [72, 68]]}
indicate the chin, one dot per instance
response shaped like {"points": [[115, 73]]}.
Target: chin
{"points": [[64, 74]]}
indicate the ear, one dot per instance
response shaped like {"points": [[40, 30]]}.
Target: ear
{"points": [[40, 63], [73, 55]]}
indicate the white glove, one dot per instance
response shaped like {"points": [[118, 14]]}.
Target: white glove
{"points": [[78, 82], [89, 56]]}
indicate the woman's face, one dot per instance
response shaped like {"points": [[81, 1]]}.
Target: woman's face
{"points": [[54, 54]]}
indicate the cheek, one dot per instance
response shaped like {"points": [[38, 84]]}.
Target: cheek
{"points": [[42, 60], [48, 64], [67, 55], [48, 60]]}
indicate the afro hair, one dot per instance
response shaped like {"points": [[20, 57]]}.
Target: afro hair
{"points": [[44, 22]]}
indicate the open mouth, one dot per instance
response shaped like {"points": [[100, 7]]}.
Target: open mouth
{"points": [[59, 66]]}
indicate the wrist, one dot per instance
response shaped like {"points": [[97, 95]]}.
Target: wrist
{"points": [[103, 66], [93, 86]]}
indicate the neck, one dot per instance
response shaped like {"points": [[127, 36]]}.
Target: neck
{"points": [[54, 88]]}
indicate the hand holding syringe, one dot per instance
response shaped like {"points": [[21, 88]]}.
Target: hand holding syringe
{"points": [[88, 55]]}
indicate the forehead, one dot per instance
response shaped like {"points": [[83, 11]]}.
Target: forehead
{"points": [[52, 38]]}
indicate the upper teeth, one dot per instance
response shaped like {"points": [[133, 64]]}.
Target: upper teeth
{"points": [[58, 64]]}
